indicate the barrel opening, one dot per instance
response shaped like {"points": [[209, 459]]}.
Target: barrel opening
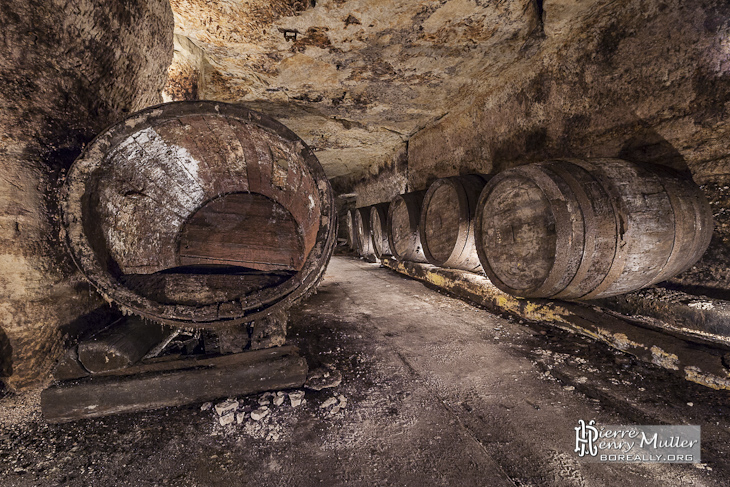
{"points": [[199, 213], [232, 246], [248, 230]]}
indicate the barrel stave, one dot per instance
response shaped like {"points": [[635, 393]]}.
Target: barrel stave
{"points": [[351, 230], [364, 236]]}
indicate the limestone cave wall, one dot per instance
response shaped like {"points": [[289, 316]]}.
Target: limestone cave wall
{"points": [[68, 69], [640, 80]]}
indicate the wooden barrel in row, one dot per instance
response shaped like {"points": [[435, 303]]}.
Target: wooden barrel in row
{"points": [[447, 222], [404, 217], [351, 232], [361, 223], [199, 214], [577, 229], [370, 231], [379, 230], [442, 234]]}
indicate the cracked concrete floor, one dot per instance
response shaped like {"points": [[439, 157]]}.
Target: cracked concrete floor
{"points": [[438, 393]]}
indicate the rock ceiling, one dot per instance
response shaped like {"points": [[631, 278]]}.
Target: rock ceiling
{"points": [[355, 79]]}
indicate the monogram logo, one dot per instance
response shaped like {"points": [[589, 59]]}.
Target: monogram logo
{"points": [[585, 438]]}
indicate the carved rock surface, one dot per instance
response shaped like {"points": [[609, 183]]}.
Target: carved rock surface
{"points": [[67, 70]]}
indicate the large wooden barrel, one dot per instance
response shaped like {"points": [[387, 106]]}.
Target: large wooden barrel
{"points": [[379, 230], [351, 231], [199, 214], [447, 222], [404, 216], [579, 229], [363, 235]]}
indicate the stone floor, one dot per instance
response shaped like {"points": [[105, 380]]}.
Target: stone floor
{"points": [[437, 392]]}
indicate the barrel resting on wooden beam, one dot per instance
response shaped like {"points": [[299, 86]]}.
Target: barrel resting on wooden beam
{"points": [[175, 383], [697, 360]]}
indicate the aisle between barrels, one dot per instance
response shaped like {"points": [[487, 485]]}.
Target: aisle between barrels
{"points": [[432, 392]]}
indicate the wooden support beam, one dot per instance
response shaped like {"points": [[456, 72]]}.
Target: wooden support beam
{"points": [[175, 383]]}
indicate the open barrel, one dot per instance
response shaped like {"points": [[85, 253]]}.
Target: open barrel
{"points": [[578, 229], [199, 214]]}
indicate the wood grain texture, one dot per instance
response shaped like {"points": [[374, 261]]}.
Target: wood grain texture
{"points": [[580, 229], [243, 229], [175, 383]]}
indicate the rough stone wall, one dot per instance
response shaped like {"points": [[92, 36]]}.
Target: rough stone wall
{"points": [[641, 80], [67, 70], [390, 180], [186, 75], [355, 79]]}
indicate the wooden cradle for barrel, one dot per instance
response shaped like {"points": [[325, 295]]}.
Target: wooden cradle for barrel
{"points": [[199, 214], [378, 229], [363, 234], [447, 222], [404, 216], [578, 229]]}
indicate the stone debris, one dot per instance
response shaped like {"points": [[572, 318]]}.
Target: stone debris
{"points": [[323, 378], [260, 413], [227, 418], [206, 406], [296, 398], [226, 406], [329, 402], [267, 416], [336, 403]]}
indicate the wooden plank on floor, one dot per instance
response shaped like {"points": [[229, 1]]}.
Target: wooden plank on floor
{"points": [[175, 383]]}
